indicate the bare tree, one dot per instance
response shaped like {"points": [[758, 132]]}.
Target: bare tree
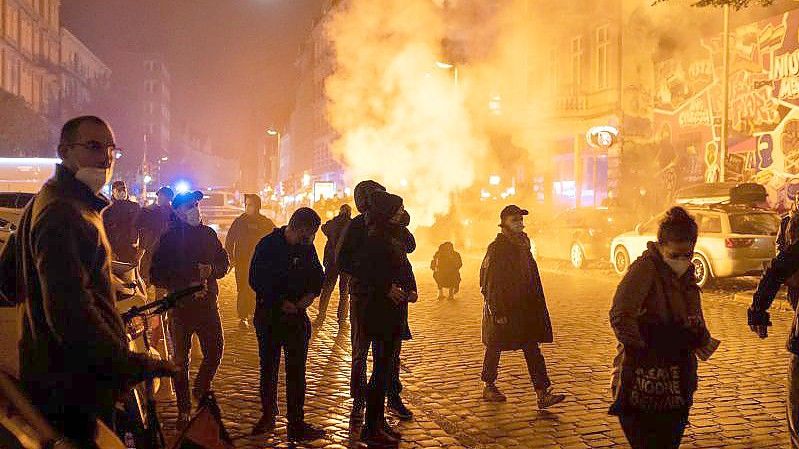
{"points": [[737, 4]]}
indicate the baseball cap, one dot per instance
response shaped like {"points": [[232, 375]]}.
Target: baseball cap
{"points": [[182, 199], [512, 210]]}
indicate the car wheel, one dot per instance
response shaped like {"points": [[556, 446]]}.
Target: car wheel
{"points": [[701, 270], [621, 260], [577, 256]]}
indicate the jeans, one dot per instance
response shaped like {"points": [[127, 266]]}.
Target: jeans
{"points": [[200, 317], [245, 304], [656, 431], [536, 366], [291, 335], [384, 352], [360, 353], [793, 401], [331, 276]]}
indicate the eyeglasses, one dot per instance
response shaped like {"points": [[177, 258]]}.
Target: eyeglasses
{"points": [[95, 146]]}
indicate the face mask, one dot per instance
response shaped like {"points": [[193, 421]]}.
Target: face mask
{"points": [[678, 266], [193, 217], [94, 178], [119, 196]]}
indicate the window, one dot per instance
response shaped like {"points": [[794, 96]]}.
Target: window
{"points": [[708, 224], [576, 61], [602, 48]]}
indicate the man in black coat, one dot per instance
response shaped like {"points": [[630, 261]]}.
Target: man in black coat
{"points": [[286, 276], [352, 244], [190, 254], [121, 221], [515, 314], [333, 230], [242, 237], [74, 356]]}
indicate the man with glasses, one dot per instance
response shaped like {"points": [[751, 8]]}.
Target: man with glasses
{"points": [[74, 356], [190, 254]]}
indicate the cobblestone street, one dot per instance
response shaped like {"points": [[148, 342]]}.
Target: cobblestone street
{"points": [[739, 404]]}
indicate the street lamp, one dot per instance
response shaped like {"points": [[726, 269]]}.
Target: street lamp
{"points": [[274, 133], [448, 66]]}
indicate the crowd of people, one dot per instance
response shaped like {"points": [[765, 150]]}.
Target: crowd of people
{"points": [[58, 266]]}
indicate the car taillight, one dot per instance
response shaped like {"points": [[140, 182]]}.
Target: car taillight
{"points": [[738, 243]]}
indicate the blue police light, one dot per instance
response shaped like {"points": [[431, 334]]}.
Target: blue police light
{"points": [[182, 187]]}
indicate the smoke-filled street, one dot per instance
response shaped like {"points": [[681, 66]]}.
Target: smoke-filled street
{"points": [[740, 402]]}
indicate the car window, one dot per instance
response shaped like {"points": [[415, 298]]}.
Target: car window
{"points": [[8, 200], [708, 223], [754, 223]]}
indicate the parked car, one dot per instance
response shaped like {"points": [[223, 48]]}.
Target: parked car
{"points": [[734, 241], [11, 206], [579, 235]]}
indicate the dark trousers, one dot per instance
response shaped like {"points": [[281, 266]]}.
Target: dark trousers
{"points": [[655, 431], [202, 318], [793, 296], [384, 353], [290, 335], [536, 366], [245, 304], [360, 353], [793, 401], [331, 276]]}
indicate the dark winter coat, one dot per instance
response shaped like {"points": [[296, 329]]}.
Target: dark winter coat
{"points": [[651, 316], [280, 271], [154, 222], [73, 351], [333, 230], [242, 237], [121, 221], [179, 253], [511, 286], [782, 269], [446, 268]]}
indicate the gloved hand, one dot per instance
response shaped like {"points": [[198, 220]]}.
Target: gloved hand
{"points": [[148, 367]]}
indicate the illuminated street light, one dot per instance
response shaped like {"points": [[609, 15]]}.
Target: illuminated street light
{"points": [[165, 158], [272, 132], [447, 66], [117, 154], [495, 105], [494, 180], [148, 179]]}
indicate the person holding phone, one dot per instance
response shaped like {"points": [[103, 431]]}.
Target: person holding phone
{"points": [[190, 254]]}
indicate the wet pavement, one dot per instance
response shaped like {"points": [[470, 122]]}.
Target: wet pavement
{"points": [[740, 402]]}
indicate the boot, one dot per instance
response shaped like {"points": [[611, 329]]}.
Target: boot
{"points": [[492, 394], [547, 399], [396, 406], [305, 432], [264, 425], [377, 437]]}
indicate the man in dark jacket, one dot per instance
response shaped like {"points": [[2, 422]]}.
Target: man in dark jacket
{"points": [[121, 221], [286, 276], [515, 314], [74, 355], [190, 254], [245, 232], [333, 230], [351, 244], [154, 221], [782, 268], [786, 236]]}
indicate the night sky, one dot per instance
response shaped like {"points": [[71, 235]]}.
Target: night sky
{"points": [[232, 61]]}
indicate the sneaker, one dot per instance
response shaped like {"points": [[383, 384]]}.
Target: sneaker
{"points": [[492, 394], [305, 432], [376, 437], [183, 421], [358, 410], [264, 425], [396, 406], [546, 399]]}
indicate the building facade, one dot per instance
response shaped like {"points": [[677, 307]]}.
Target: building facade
{"points": [[83, 77]]}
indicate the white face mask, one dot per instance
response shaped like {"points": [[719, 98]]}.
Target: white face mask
{"points": [[193, 217], [678, 266], [94, 178]]}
